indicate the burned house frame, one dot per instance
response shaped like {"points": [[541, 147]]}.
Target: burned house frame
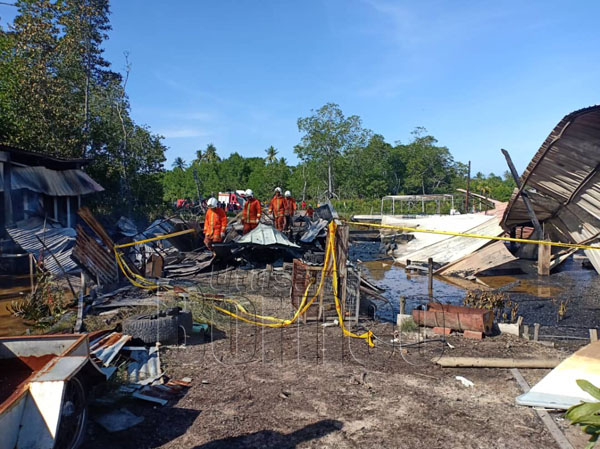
{"points": [[37, 187]]}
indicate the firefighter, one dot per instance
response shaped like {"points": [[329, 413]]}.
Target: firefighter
{"points": [[215, 224], [277, 209], [251, 212], [290, 207], [310, 211]]}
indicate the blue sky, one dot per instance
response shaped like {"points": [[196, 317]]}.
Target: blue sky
{"points": [[479, 75]]}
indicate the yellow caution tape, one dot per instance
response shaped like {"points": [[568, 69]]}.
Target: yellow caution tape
{"points": [[160, 237], [475, 236], [244, 315]]}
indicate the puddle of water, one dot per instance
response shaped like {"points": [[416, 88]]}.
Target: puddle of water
{"points": [[529, 286], [12, 288], [399, 283]]}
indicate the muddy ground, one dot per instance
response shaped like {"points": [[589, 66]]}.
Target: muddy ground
{"points": [[307, 387]]}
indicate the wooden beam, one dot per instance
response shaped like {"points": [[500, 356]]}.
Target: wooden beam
{"points": [[536, 224], [544, 259]]}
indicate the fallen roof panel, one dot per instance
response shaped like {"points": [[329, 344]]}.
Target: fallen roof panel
{"points": [[563, 183]]}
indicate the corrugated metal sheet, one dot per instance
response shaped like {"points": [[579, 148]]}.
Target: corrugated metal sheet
{"points": [[52, 182], [266, 235], [58, 240], [563, 182]]}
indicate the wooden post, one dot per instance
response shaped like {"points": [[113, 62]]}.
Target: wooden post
{"points": [[402, 305], [593, 335], [430, 277], [526, 332], [341, 254], [31, 282], [536, 331], [544, 256], [7, 194], [468, 187]]}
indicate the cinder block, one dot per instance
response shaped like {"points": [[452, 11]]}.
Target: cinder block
{"points": [[442, 330], [474, 335]]}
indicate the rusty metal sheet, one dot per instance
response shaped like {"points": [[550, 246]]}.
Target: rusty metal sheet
{"points": [[455, 317]]}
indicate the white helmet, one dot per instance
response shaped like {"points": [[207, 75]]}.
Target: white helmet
{"points": [[212, 202], [288, 193], [249, 192], [278, 189]]}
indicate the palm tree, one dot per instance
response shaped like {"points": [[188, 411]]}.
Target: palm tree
{"points": [[271, 154], [210, 154], [199, 155], [179, 163]]}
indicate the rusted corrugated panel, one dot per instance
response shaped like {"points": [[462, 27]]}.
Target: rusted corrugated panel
{"points": [[57, 240], [97, 260], [563, 182], [52, 182]]}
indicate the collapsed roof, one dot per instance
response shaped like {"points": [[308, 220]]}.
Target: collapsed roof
{"points": [[563, 182]]}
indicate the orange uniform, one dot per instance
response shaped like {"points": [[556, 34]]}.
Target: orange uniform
{"points": [[251, 214], [289, 210], [215, 224], [310, 212], [277, 208]]}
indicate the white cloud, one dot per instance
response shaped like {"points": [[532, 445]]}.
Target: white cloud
{"points": [[176, 133]]}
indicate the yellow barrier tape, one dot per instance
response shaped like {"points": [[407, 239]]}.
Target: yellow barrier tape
{"points": [[475, 236], [368, 336], [153, 239]]}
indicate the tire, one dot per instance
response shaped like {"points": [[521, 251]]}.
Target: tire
{"points": [[152, 328], [74, 414]]}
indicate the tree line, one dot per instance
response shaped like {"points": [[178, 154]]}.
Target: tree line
{"points": [[339, 159], [58, 94]]}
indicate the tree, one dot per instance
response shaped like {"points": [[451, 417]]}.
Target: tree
{"points": [[271, 154], [179, 163], [328, 134], [210, 154]]}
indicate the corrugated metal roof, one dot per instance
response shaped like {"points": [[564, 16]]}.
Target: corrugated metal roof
{"points": [[563, 182], [266, 235], [52, 182], [58, 240]]}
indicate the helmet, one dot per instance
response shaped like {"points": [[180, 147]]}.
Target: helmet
{"points": [[278, 189], [212, 202], [249, 192], [288, 193]]}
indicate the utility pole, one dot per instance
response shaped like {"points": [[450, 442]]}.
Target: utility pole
{"points": [[468, 187]]}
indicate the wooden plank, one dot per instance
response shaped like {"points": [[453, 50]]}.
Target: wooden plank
{"points": [[490, 256], [556, 433]]}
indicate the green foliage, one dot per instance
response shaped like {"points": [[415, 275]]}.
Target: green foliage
{"points": [[587, 414], [58, 95]]}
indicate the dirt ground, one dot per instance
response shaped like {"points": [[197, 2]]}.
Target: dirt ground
{"points": [[308, 387]]}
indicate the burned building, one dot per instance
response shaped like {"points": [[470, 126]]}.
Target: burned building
{"points": [[40, 196]]}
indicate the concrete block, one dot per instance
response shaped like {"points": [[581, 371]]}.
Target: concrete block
{"points": [[401, 318]]}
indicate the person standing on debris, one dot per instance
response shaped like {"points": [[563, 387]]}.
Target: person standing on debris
{"points": [[251, 213], [289, 209], [310, 211], [215, 224], [303, 204], [277, 209]]}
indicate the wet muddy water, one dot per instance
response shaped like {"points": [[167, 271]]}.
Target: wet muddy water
{"points": [[539, 297], [12, 288]]}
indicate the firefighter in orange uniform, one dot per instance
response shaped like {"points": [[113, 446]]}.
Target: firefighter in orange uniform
{"points": [[277, 208], [251, 212], [290, 209], [215, 224]]}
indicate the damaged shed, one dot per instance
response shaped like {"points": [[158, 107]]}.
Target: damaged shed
{"points": [[563, 183], [37, 186]]}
